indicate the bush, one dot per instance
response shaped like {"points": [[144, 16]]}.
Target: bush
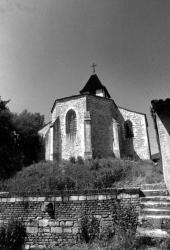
{"points": [[124, 216], [72, 159], [89, 228], [12, 236], [125, 219], [106, 235], [61, 183], [80, 160]]}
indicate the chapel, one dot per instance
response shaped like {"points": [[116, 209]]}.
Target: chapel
{"points": [[90, 125]]}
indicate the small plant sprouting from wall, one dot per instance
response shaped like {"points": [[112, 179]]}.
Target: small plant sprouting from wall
{"points": [[89, 228], [26, 205], [12, 235], [120, 233], [50, 210], [125, 219]]}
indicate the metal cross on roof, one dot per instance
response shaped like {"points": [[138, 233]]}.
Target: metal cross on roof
{"points": [[93, 66]]}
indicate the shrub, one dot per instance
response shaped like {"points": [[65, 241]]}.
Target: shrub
{"points": [[89, 228], [125, 220], [124, 216], [72, 159], [106, 235], [12, 236], [61, 183], [80, 160]]}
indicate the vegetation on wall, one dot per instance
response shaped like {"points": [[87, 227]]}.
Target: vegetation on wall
{"points": [[120, 234], [89, 228], [12, 235]]}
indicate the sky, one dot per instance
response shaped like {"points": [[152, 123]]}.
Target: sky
{"points": [[47, 48]]}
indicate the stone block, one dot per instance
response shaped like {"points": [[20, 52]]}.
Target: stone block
{"points": [[12, 200], [32, 230], [46, 230], [56, 230], [43, 223], [102, 197], [75, 230], [98, 216], [82, 197], [69, 223], [123, 196], [59, 198], [31, 198], [74, 198], [4, 199], [92, 197], [40, 198], [62, 223], [67, 230], [65, 198], [54, 223], [19, 199]]}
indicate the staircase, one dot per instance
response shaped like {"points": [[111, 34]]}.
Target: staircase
{"points": [[154, 217]]}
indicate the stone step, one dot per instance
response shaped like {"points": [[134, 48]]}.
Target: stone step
{"points": [[155, 204], [154, 221], [160, 185], [156, 233], [155, 217], [155, 211], [155, 192], [155, 198]]}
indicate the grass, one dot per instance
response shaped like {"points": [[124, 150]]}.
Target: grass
{"points": [[144, 244], [80, 175]]}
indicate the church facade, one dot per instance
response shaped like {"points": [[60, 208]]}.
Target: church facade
{"points": [[92, 125]]}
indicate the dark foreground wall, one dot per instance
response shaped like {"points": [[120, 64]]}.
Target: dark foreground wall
{"points": [[161, 117], [55, 220]]}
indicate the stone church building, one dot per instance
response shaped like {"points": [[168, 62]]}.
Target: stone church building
{"points": [[90, 124]]}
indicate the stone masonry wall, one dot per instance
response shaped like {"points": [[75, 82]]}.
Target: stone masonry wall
{"points": [[55, 220], [140, 140], [62, 106]]}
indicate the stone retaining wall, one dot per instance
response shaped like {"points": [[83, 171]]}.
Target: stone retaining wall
{"points": [[54, 220]]}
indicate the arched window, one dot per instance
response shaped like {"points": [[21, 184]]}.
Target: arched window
{"points": [[128, 129], [71, 123]]}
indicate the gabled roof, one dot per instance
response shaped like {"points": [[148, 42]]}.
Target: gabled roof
{"points": [[94, 84], [43, 131]]}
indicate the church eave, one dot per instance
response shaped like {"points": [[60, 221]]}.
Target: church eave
{"points": [[80, 96], [131, 110], [65, 98]]}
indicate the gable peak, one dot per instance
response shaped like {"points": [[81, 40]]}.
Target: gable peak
{"points": [[95, 87]]}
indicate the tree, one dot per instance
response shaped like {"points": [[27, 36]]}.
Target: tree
{"points": [[10, 157], [27, 126]]}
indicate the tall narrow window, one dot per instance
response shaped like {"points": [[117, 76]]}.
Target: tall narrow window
{"points": [[58, 127], [128, 129], [71, 123]]}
